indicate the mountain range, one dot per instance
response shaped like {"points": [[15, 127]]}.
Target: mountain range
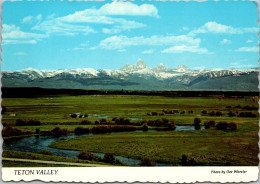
{"points": [[136, 77]]}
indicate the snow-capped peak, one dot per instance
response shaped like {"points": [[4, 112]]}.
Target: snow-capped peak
{"points": [[140, 64], [182, 68], [161, 68]]}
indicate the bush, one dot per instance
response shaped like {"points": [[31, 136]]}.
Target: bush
{"points": [[190, 112], [222, 126], [148, 114], [20, 122], [209, 124], [197, 122], [102, 121], [182, 112], [218, 113], [204, 112], [85, 122], [73, 115], [10, 131], [248, 107], [212, 113], [145, 127], [85, 155], [247, 114], [3, 110], [232, 126], [154, 113], [238, 106], [171, 126], [45, 152], [185, 161], [96, 122], [228, 107], [59, 131], [81, 130], [109, 158], [146, 162], [231, 114]]}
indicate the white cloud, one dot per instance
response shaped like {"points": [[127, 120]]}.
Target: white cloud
{"points": [[31, 19], [120, 42], [14, 35], [56, 26], [148, 51], [199, 68], [27, 19], [128, 8], [216, 28], [225, 41], [249, 41], [110, 9], [186, 48], [247, 49], [66, 25], [19, 53]]}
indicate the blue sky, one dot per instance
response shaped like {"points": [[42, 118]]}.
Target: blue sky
{"points": [[110, 34]]}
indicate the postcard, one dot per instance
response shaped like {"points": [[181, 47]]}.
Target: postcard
{"points": [[130, 91]]}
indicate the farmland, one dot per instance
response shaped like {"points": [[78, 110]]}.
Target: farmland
{"points": [[210, 146]]}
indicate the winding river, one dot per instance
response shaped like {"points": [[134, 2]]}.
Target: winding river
{"points": [[38, 143]]}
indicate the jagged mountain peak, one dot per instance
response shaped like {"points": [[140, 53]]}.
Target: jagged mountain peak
{"points": [[182, 68], [140, 64], [160, 68]]}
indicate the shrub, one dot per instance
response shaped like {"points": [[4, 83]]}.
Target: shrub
{"points": [[162, 114], [222, 126], [238, 106], [248, 107], [37, 131], [228, 107], [171, 126], [148, 114], [204, 112], [145, 127], [185, 161], [45, 152], [182, 112], [20, 122], [197, 122], [10, 131], [231, 114], [73, 115], [247, 114], [102, 121], [85, 122], [190, 112], [96, 122], [85, 155], [59, 131], [212, 113], [218, 113], [209, 124], [154, 113], [81, 130], [3, 110], [232, 126], [146, 162], [109, 158]]}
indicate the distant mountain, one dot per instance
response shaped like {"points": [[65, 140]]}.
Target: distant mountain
{"points": [[136, 77]]}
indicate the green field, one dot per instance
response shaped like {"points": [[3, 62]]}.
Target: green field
{"points": [[206, 147]]}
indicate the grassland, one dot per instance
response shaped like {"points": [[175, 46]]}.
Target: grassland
{"points": [[207, 147]]}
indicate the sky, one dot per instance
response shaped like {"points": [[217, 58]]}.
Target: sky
{"points": [[107, 35]]}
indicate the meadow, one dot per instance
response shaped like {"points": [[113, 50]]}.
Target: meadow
{"points": [[203, 147]]}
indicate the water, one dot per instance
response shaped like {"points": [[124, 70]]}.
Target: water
{"points": [[38, 143]]}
